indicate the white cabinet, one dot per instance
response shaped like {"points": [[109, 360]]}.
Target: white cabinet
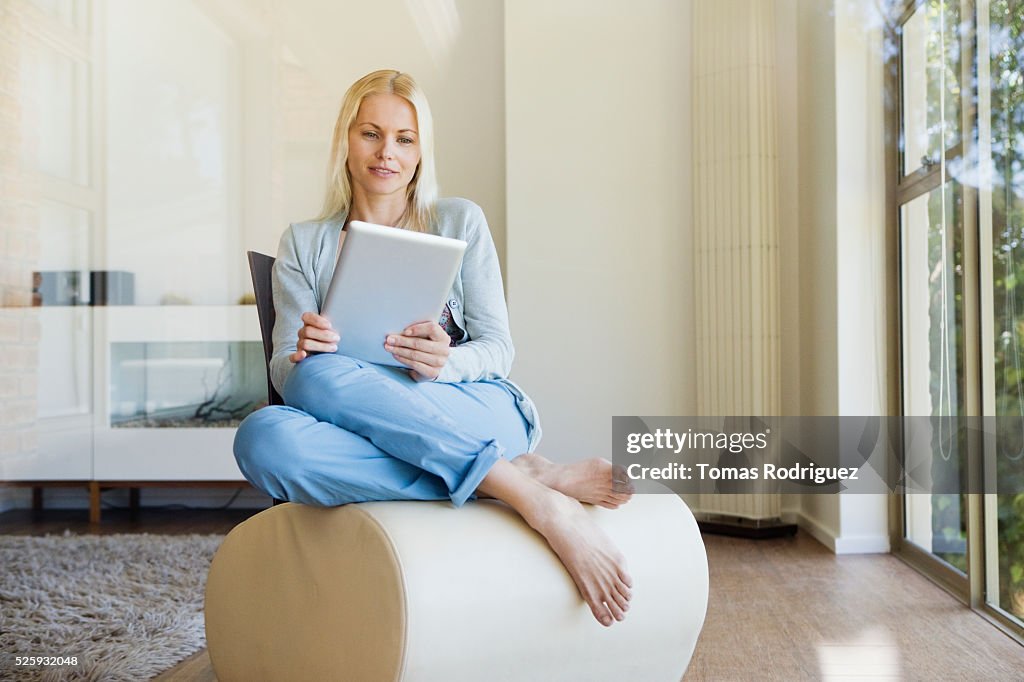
{"points": [[64, 396], [173, 358]]}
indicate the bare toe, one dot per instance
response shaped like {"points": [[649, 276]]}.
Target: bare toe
{"points": [[622, 595], [618, 613], [620, 499], [619, 594], [593, 562]]}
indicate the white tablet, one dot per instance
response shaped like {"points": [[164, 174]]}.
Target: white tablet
{"points": [[386, 279]]}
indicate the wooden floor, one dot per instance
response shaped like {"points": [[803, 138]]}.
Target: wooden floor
{"points": [[783, 609], [788, 609], [156, 521]]}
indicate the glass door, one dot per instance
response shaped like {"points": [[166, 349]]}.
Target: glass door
{"points": [[1001, 217], [49, 378], [959, 201], [931, 214]]}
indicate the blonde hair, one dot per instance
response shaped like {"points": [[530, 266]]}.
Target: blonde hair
{"points": [[422, 190]]}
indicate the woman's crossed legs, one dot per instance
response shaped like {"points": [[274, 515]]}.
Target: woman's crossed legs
{"points": [[355, 432]]}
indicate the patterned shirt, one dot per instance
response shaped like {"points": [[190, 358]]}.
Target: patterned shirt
{"points": [[451, 329]]}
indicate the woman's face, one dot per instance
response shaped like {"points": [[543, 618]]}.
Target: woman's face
{"points": [[383, 146]]}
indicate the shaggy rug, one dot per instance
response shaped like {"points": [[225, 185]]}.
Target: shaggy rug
{"points": [[125, 607]]}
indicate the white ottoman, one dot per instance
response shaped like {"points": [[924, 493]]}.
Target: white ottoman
{"points": [[423, 591]]}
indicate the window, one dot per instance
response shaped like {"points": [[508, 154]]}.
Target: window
{"points": [[956, 80]]}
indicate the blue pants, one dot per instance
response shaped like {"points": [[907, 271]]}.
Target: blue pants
{"points": [[353, 431]]}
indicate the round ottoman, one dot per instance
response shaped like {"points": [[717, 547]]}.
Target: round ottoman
{"points": [[424, 591]]}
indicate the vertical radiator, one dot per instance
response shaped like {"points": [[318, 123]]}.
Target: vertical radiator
{"points": [[736, 223]]}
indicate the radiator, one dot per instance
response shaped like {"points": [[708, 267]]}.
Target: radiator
{"points": [[754, 507], [736, 222]]}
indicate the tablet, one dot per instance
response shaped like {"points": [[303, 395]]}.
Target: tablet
{"points": [[386, 279]]}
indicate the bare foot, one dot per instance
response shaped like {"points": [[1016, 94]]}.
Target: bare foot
{"points": [[594, 563], [590, 481]]}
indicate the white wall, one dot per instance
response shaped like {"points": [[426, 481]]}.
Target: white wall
{"points": [[814, 37], [841, 201], [816, 93], [862, 335], [790, 394], [860, 213], [599, 218], [789, 135], [170, 151]]}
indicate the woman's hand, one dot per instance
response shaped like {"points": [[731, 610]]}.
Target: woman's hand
{"points": [[422, 347], [316, 336]]}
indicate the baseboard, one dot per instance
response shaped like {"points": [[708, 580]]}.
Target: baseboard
{"points": [[864, 544], [811, 527]]}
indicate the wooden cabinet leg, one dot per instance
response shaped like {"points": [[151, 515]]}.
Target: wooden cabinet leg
{"points": [[133, 502], [94, 502], [37, 499]]}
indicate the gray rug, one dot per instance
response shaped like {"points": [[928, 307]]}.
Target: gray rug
{"points": [[127, 606]]}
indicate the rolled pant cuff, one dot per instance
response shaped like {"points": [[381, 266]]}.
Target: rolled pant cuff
{"points": [[484, 461]]}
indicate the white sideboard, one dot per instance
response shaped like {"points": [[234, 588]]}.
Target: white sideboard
{"points": [[77, 440]]}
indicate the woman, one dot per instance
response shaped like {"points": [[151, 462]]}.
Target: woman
{"points": [[451, 425]]}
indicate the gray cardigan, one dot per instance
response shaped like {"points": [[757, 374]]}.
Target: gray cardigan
{"points": [[305, 265]]}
